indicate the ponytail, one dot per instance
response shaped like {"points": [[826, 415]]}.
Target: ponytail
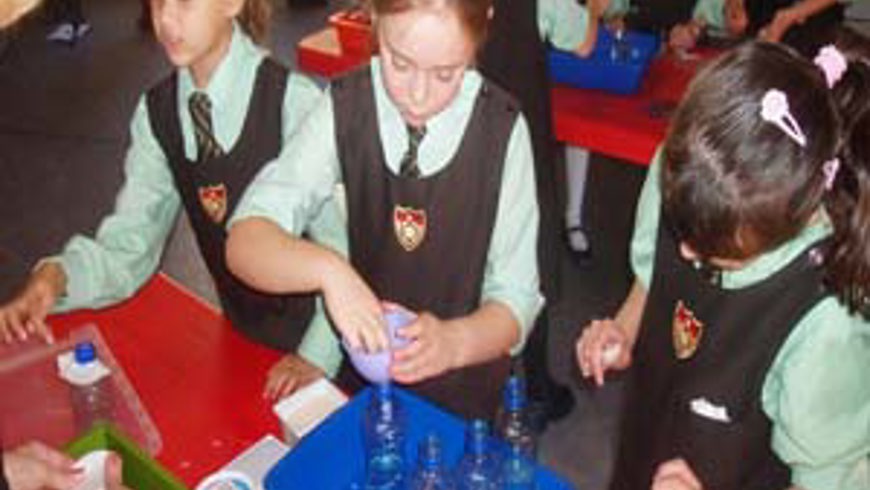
{"points": [[848, 202], [255, 18]]}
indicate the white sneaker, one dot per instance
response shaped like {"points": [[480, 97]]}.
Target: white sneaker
{"points": [[83, 30], [64, 33]]}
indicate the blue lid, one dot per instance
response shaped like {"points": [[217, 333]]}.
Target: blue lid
{"points": [[514, 394], [85, 352], [477, 437]]}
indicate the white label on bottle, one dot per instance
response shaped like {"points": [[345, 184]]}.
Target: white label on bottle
{"points": [[80, 374]]}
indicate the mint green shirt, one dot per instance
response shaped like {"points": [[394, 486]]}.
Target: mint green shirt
{"points": [[816, 392], [291, 190], [126, 250], [564, 22]]}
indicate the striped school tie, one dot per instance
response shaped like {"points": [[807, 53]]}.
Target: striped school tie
{"points": [[207, 146], [409, 166]]}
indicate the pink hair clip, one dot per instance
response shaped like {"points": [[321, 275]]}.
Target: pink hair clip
{"points": [[833, 64], [830, 169], [775, 110]]}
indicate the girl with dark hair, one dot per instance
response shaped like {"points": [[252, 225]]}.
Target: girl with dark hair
{"points": [[197, 138], [747, 326], [442, 218]]}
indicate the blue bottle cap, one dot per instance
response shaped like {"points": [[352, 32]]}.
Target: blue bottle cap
{"points": [[514, 394], [85, 352]]}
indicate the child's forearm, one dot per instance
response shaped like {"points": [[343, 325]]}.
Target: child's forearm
{"points": [[802, 10], [630, 313], [487, 333], [270, 259]]}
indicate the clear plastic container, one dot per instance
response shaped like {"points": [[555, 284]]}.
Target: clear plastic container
{"points": [[479, 467], [384, 436], [92, 399], [430, 472], [512, 419], [36, 403]]}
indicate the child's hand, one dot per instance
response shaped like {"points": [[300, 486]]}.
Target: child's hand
{"points": [[736, 19], [289, 374], [588, 45], [35, 466], [25, 314], [429, 353], [603, 345], [114, 473], [675, 475], [781, 23], [354, 309]]}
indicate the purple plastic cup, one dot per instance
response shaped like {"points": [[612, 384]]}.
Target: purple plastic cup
{"points": [[375, 366]]}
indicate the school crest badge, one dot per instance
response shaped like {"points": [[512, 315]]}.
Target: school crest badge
{"points": [[687, 331], [213, 199], [410, 226]]}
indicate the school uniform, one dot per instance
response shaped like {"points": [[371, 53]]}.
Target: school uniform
{"points": [[255, 106], [755, 378], [461, 234]]}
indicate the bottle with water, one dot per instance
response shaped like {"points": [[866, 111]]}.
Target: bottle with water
{"points": [[620, 51], [90, 391], [384, 438], [430, 472], [478, 469], [518, 470], [512, 419]]}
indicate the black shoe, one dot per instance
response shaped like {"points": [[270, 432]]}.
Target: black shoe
{"points": [[543, 411]]}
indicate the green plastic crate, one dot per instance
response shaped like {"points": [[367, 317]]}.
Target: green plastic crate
{"points": [[140, 471]]}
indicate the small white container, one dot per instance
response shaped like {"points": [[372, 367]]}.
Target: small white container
{"points": [[226, 480], [302, 411]]}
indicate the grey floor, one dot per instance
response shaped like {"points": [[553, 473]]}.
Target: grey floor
{"points": [[63, 131]]}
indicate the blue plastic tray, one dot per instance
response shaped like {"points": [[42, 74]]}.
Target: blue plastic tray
{"points": [[604, 69], [331, 456]]}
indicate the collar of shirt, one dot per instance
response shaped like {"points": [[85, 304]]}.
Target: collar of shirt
{"points": [[444, 131], [771, 262], [229, 91]]}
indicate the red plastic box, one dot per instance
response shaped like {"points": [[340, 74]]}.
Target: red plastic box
{"points": [[354, 31]]}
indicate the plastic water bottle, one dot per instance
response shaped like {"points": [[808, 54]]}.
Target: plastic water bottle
{"points": [[512, 419], [91, 395], [384, 437], [620, 52], [478, 469], [518, 470], [430, 472]]}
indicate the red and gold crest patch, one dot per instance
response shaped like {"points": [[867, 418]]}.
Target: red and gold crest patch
{"points": [[213, 199], [687, 331], [410, 226]]}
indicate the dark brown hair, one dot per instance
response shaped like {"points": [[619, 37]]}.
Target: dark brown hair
{"points": [[848, 203], [735, 185], [254, 19], [474, 14]]}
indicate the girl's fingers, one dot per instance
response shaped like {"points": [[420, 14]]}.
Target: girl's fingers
{"points": [[411, 331], [410, 351], [16, 327], [41, 329]]}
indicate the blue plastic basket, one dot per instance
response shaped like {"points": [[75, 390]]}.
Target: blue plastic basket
{"points": [[331, 456], [618, 71]]}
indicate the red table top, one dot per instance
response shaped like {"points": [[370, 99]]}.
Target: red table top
{"points": [[626, 127], [200, 381], [629, 127]]}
